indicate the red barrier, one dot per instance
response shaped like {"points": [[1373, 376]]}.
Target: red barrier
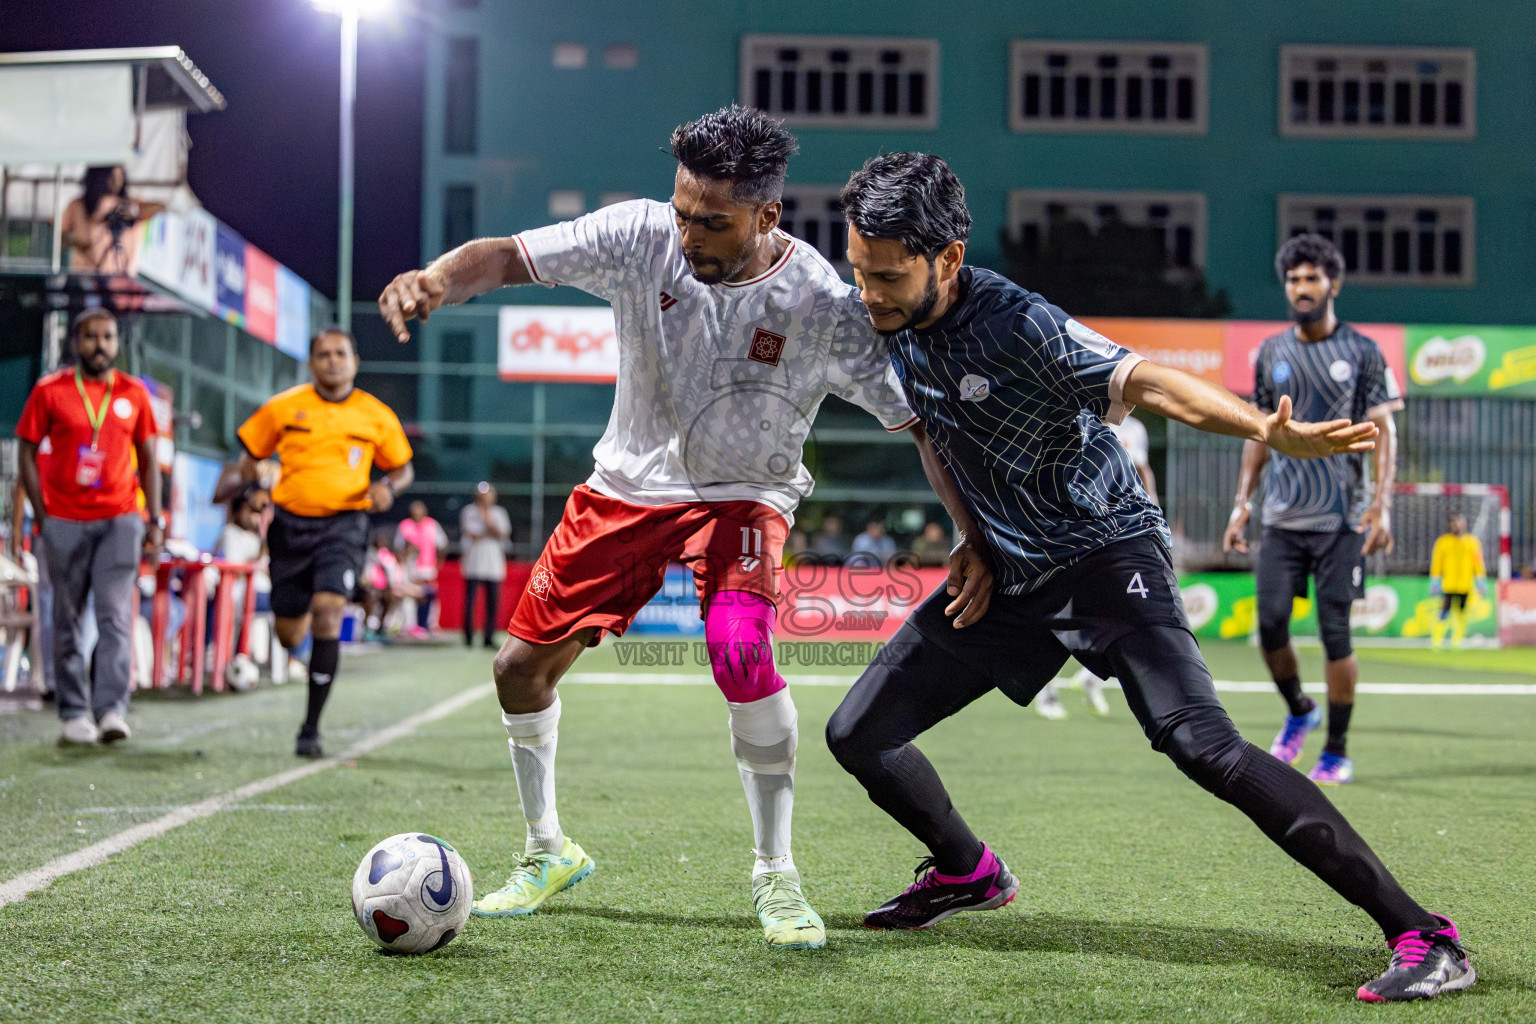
{"points": [[191, 663], [450, 594]]}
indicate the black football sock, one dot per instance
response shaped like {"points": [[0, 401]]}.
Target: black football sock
{"points": [[322, 673], [909, 790], [1290, 690], [1294, 813], [1338, 725]]}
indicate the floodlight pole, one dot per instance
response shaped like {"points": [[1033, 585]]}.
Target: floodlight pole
{"points": [[348, 112]]}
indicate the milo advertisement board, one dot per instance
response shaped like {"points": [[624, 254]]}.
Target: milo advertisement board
{"points": [[1471, 361], [1225, 606]]}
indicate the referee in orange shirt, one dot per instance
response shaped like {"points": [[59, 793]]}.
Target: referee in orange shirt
{"points": [[328, 436]]}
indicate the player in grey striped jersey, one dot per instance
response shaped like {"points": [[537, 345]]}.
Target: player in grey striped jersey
{"points": [[1320, 516]]}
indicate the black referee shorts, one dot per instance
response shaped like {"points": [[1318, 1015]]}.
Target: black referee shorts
{"points": [[1287, 558], [314, 554]]}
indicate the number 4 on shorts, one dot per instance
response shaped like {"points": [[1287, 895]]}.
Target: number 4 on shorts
{"points": [[1137, 587]]}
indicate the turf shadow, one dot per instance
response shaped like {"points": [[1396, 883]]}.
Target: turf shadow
{"points": [[1326, 963]]}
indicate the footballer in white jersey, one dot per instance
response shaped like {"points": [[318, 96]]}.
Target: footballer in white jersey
{"points": [[731, 334]]}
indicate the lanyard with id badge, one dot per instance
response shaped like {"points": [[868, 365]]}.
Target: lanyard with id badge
{"points": [[91, 460]]}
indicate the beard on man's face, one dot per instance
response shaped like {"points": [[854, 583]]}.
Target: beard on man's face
{"points": [[1307, 316], [97, 360], [922, 311], [713, 270]]}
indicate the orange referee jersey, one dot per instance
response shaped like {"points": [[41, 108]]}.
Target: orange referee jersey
{"points": [[327, 448]]}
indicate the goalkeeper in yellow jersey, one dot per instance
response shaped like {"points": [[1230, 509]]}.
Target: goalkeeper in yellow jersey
{"points": [[1455, 568]]}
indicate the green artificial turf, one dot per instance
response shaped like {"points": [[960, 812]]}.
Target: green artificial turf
{"points": [[1143, 898]]}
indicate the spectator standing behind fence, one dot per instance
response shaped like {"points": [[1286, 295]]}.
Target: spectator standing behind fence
{"points": [[242, 541], [829, 546], [423, 533], [484, 528], [99, 226], [874, 546], [931, 548], [95, 420]]}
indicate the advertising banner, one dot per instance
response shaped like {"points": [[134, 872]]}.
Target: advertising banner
{"points": [[260, 294], [229, 279], [574, 344], [1225, 606], [292, 333], [1517, 613], [1472, 361], [178, 250], [1194, 346], [194, 516], [1243, 338]]}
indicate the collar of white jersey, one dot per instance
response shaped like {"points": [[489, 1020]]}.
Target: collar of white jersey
{"points": [[778, 264]]}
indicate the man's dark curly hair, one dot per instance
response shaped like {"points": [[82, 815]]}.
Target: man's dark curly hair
{"points": [[1313, 249], [913, 198], [741, 145]]}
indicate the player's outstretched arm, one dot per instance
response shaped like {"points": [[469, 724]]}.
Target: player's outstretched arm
{"points": [[1189, 399], [474, 268]]}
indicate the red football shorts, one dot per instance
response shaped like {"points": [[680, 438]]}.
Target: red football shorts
{"points": [[607, 558]]}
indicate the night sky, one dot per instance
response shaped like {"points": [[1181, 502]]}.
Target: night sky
{"points": [[267, 165]]}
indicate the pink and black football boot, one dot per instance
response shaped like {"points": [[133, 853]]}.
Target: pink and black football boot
{"points": [[1424, 964], [933, 897]]}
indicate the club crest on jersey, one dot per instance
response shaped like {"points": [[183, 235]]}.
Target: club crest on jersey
{"points": [[1281, 372], [540, 583], [1340, 370], [354, 456], [973, 388], [667, 302], [766, 347]]}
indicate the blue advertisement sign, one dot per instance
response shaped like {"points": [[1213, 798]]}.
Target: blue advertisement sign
{"points": [[292, 314], [229, 275], [675, 610]]}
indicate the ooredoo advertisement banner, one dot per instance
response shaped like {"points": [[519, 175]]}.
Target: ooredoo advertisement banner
{"points": [[1194, 346]]}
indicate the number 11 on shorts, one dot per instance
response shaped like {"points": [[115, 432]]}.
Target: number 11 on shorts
{"points": [[751, 541]]}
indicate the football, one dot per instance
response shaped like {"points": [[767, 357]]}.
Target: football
{"points": [[412, 893]]}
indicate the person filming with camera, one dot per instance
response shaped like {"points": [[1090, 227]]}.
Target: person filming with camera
{"points": [[99, 226]]}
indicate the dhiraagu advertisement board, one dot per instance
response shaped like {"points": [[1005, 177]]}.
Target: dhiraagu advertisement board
{"points": [[1224, 605], [1454, 361]]}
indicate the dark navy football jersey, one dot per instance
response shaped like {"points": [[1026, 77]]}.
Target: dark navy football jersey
{"points": [[1344, 376], [1015, 394]]}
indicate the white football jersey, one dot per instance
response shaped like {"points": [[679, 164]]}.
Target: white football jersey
{"points": [[718, 384], [1133, 438]]}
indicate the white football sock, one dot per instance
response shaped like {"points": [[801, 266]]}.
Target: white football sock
{"points": [[764, 737], [532, 739]]}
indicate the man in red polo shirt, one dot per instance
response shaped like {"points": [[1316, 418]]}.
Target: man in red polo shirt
{"points": [[94, 419]]}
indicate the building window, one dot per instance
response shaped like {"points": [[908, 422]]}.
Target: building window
{"points": [[811, 214], [1379, 92], [1393, 240], [1173, 222], [842, 81], [1154, 88], [458, 215], [461, 97]]}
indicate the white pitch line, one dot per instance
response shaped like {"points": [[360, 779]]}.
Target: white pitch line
{"points": [[1223, 685], [25, 884]]}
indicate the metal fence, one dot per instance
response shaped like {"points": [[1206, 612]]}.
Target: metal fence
{"points": [[1441, 440]]}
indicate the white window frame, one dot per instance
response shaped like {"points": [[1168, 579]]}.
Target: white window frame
{"points": [[1405, 208], [818, 198], [1019, 198], [1362, 129], [815, 50], [1089, 51]]}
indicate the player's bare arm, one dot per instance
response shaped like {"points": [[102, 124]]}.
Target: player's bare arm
{"points": [[1376, 523], [1255, 457], [383, 491], [31, 483], [970, 576], [1205, 406], [474, 268]]}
